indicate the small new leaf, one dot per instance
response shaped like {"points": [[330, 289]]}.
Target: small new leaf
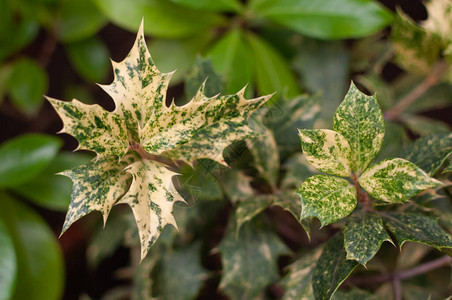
{"points": [[328, 151], [326, 197], [395, 180], [360, 120]]}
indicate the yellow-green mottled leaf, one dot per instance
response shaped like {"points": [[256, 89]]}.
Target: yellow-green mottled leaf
{"points": [[326, 197], [396, 180], [415, 48], [359, 119], [439, 19], [363, 235], [94, 128], [327, 150], [410, 227], [97, 186], [430, 152], [297, 283], [332, 268], [151, 197], [250, 207], [249, 259]]}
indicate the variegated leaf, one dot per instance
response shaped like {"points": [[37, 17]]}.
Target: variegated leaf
{"points": [[332, 268], [151, 197], [359, 119], [364, 233], [94, 128], [439, 19], [326, 197], [291, 203], [250, 207], [355, 294], [97, 187], [327, 150], [396, 180], [410, 227]]}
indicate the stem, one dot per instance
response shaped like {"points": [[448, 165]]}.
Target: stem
{"points": [[430, 80], [48, 47], [362, 196]]}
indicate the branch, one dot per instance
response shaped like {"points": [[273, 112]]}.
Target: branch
{"points": [[430, 80], [362, 195]]}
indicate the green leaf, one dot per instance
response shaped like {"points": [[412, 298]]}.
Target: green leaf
{"points": [[248, 208], [231, 56], [249, 259], [355, 294], [326, 197], [90, 58], [327, 150], [8, 264], [424, 125], [142, 281], [80, 19], [363, 235], [297, 169], [291, 203], [360, 121], [395, 138], [202, 73], [396, 180], [326, 19], [332, 268], [49, 191], [163, 18], [410, 227], [297, 282], [25, 156], [189, 277], [26, 85], [272, 71], [39, 259], [15, 34], [416, 49], [429, 152], [207, 5]]}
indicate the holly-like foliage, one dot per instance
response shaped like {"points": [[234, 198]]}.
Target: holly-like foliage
{"points": [[138, 142]]}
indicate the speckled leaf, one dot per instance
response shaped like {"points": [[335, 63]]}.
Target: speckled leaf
{"points": [[97, 186], [326, 197], [364, 233], [327, 150], [396, 180], [439, 19], [359, 119], [410, 227], [430, 152], [250, 207], [297, 283], [332, 268], [151, 197], [415, 48], [249, 259]]}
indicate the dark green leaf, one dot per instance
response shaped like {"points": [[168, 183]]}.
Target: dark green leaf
{"points": [[395, 138], [202, 74], [363, 235], [298, 169], [248, 208], [232, 57], [25, 156], [355, 294], [90, 58], [8, 264], [39, 258], [14, 34], [162, 18], [429, 152], [360, 120], [47, 189], [409, 227], [332, 268], [326, 197], [184, 267], [26, 85], [80, 19], [326, 19], [273, 73], [291, 203], [424, 125], [208, 5], [249, 259]]}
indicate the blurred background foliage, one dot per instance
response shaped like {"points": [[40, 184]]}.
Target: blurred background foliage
{"points": [[304, 50]]}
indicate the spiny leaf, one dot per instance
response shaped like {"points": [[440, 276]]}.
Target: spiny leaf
{"points": [[327, 150], [364, 233], [332, 268], [396, 180], [430, 152], [327, 198], [417, 228], [359, 119], [151, 197]]}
